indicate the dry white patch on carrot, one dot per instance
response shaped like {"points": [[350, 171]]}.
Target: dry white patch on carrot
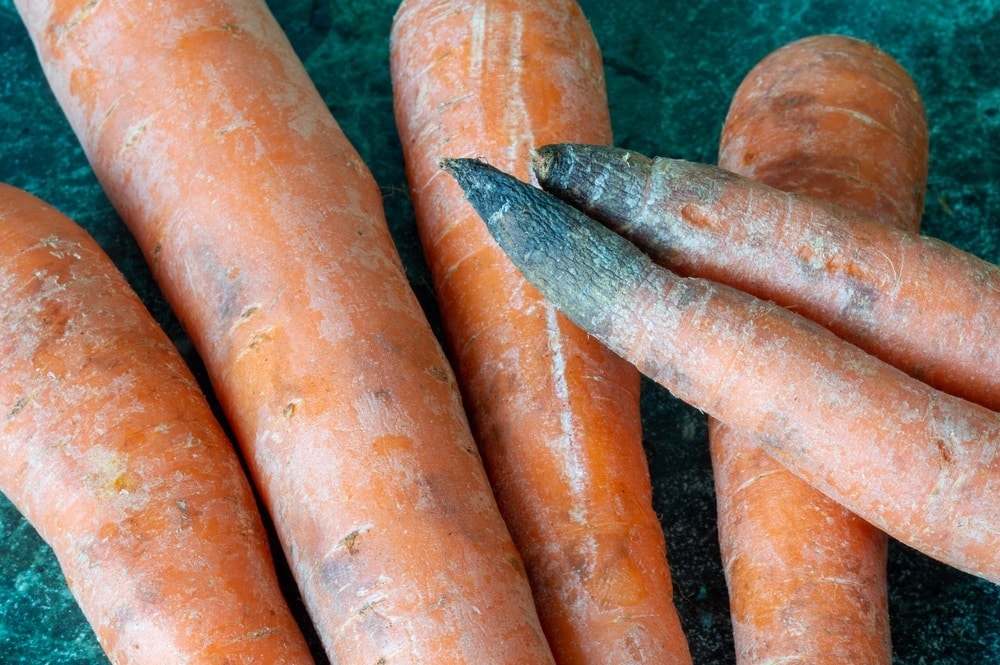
{"points": [[58, 247], [516, 113], [574, 469], [477, 41]]}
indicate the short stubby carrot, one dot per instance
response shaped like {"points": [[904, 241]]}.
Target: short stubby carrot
{"points": [[918, 303], [918, 463], [267, 235], [835, 118], [555, 413], [110, 450]]}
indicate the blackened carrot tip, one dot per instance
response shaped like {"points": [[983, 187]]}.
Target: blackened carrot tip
{"points": [[582, 267]]}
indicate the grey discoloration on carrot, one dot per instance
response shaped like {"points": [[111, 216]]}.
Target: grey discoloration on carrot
{"points": [[611, 266], [867, 433], [866, 281]]}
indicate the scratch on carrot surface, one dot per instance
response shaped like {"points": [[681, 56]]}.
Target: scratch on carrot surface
{"points": [[78, 17], [753, 480], [858, 115], [896, 274]]}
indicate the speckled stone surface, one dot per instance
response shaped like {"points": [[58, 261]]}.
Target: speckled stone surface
{"points": [[671, 68]]}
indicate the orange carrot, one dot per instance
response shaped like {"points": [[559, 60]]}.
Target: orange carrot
{"points": [[266, 232], [555, 413], [110, 450], [918, 463], [838, 119], [918, 303]]}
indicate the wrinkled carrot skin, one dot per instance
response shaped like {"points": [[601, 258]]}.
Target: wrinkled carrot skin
{"points": [[918, 303], [267, 235], [918, 463], [836, 118], [555, 413], [109, 449]]}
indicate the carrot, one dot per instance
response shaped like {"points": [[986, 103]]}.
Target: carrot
{"points": [[555, 413], [838, 119], [266, 232], [918, 303], [916, 462], [110, 450]]}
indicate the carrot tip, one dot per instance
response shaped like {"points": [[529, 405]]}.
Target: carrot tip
{"points": [[580, 265]]}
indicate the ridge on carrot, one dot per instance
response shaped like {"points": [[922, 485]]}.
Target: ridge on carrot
{"points": [[836, 118], [111, 452], [266, 233], [918, 303], [918, 463], [555, 414]]}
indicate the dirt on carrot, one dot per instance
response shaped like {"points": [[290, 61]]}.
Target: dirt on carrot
{"points": [[836, 118], [266, 232], [555, 413], [110, 450]]}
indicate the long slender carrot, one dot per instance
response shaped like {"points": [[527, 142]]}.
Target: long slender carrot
{"points": [[110, 450], [918, 303], [267, 235], [836, 118], [918, 463], [555, 413]]}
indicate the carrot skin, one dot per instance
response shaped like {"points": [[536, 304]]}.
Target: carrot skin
{"points": [[266, 232], [555, 413], [870, 283], [918, 463], [109, 449], [838, 119]]}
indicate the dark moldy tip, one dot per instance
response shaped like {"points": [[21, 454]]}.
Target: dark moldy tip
{"points": [[583, 268]]}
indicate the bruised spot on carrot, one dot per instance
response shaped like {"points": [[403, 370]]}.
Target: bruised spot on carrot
{"points": [[259, 338], [392, 443], [125, 483], [19, 406], [291, 408], [247, 312], [350, 540], [185, 515], [438, 374]]}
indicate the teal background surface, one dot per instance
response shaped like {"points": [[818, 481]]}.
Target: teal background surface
{"points": [[671, 69]]}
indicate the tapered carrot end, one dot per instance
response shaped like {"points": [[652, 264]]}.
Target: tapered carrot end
{"points": [[603, 181], [582, 267]]}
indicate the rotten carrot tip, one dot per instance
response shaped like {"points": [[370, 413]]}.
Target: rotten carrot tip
{"points": [[577, 263]]}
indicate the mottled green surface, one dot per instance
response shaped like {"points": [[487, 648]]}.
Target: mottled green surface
{"points": [[671, 68]]}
